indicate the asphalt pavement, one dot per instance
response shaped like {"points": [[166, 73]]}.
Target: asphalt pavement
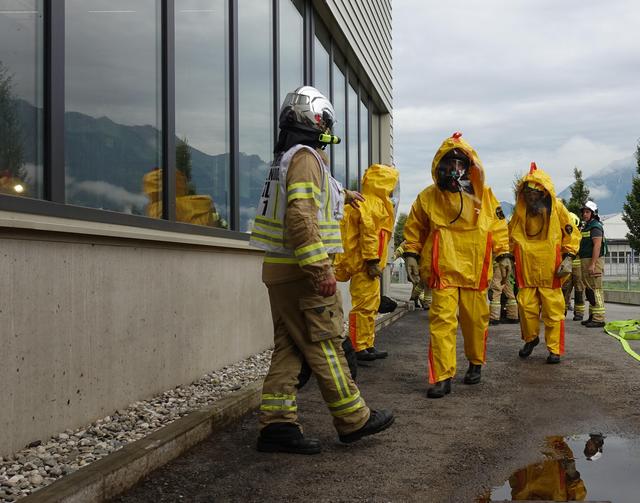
{"points": [[445, 450]]}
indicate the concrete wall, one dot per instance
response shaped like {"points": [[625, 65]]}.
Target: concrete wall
{"points": [[92, 323], [622, 297]]}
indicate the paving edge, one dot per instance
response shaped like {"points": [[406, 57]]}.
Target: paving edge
{"points": [[387, 320], [114, 474], [117, 472]]}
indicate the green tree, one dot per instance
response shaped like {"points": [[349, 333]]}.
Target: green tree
{"points": [[579, 193], [631, 209], [183, 163], [399, 230], [11, 138]]}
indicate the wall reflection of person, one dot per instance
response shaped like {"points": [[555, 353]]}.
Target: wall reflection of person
{"points": [[554, 479]]}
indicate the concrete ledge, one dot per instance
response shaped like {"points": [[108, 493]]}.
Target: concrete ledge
{"points": [[389, 318], [622, 297], [121, 470], [117, 472]]}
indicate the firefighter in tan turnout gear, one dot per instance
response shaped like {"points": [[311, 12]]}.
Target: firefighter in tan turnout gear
{"points": [[297, 223], [454, 228], [544, 242]]}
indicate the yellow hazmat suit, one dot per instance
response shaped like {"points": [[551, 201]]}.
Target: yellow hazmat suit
{"points": [[366, 232], [539, 243], [455, 236], [554, 479]]}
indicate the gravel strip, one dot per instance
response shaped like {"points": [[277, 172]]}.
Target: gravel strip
{"points": [[40, 464]]}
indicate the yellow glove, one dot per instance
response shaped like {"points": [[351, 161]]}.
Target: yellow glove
{"points": [[506, 266], [564, 269], [373, 269], [413, 271]]}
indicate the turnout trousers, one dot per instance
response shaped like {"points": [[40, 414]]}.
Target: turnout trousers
{"points": [[593, 288], [497, 289], [310, 326], [365, 300], [548, 302], [449, 307]]}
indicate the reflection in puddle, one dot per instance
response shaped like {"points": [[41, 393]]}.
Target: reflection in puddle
{"points": [[583, 467]]}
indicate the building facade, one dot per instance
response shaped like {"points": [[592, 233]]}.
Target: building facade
{"points": [[134, 140]]}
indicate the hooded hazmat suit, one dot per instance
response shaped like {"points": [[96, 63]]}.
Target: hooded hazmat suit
{"points": [[539, 242], [366, 232], [455, 236], [554, 479]]}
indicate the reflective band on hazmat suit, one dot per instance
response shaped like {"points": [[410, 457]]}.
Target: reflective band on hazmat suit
{"points": [[366, 232], [456, 260], [539, 244]]}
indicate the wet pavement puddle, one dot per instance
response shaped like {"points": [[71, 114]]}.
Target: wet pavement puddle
{"points": [[592, 467]]}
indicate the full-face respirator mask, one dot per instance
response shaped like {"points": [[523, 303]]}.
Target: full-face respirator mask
{"points": [[452, 172]]}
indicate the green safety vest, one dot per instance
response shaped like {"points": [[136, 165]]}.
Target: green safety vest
{"points": [[586, 244]]}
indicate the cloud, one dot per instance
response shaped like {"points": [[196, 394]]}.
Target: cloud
{"points": [[545, 81]]}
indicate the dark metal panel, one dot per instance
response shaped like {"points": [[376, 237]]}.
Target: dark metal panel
{"points": [[331, 147], [359, 88], [234, 111], [309, 35], [168, 111], [39, 207], [347, 72], [54, 173], [369, 129], [275, 9]]}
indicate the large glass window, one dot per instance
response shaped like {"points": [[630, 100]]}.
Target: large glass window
{"points": [[112, 109], [291, 46], [202, 112], [340, 106], [21, 96], [353, 140], [255, 100], [364, 137], [321, 59]]}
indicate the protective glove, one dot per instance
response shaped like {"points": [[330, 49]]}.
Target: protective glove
{"points": [[373, 269], [506, 266], [564, 269], [413, 271], [569, 466]]}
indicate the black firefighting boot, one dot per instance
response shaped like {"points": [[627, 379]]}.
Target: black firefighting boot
{"points": [[440, 389], [588, 320], [553, 358], [286, 437], [494, 322], [378, 421], [473, 374], [378, 354], [365, 356], [527, 349], [594, 324]]}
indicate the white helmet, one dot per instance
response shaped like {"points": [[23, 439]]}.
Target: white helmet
{"points": [[590, 205], [307, 109]]}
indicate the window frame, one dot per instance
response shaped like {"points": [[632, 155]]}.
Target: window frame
{"points": [[53, 202]]}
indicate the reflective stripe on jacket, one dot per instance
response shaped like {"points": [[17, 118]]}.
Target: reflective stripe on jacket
{"points": [[269, 230]]}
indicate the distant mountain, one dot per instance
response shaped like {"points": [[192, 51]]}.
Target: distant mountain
{"points": [[507, 208], [610, 186], [106, 162]]}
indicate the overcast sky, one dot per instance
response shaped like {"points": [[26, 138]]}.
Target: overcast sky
{"points": [[551, 81]]}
